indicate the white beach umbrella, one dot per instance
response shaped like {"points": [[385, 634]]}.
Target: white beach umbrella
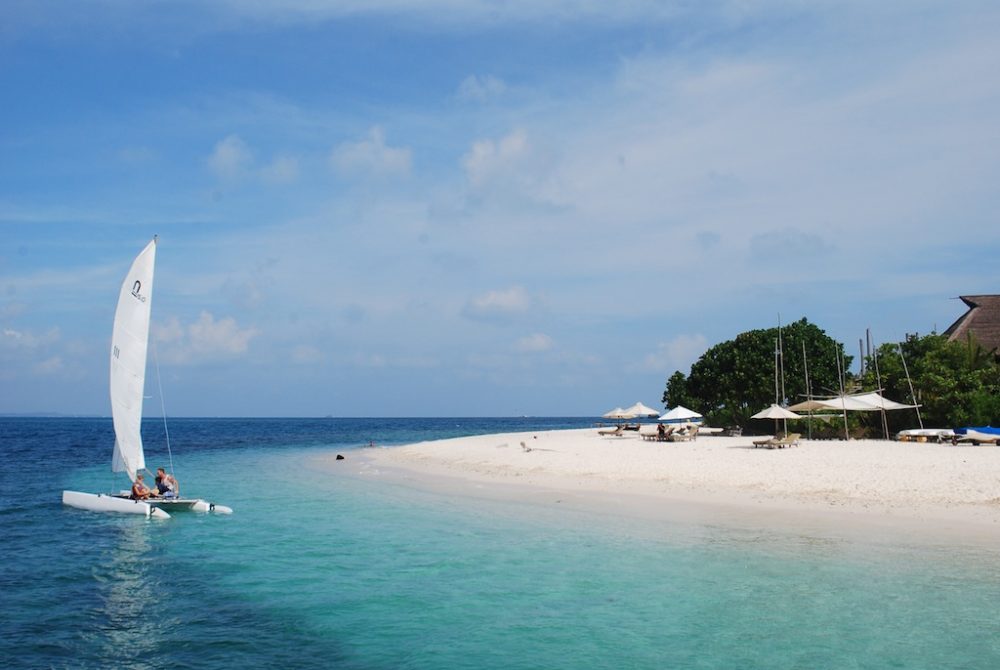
{"points": [[617, 413], [639, 409], [776, 412], [680, 414]]}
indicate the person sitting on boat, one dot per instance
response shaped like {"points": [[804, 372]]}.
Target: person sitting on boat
{"points": [[166, 485], [139, 489]]}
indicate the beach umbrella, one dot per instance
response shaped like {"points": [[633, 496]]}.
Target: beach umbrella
{"points": [[639, 409], [618, 413], [776, 412], [681, 414]]}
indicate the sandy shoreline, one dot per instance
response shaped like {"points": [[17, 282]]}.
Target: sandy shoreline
{"points": [[920, 488]]}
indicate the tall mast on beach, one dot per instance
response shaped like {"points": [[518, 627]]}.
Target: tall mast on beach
{"points": [[840, 377], [805, 370], [913, 396], [781, 356], [878, 381]]}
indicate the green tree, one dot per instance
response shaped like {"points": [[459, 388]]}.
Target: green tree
{"points": [[956, 383], [736, 379], [676, 393]]}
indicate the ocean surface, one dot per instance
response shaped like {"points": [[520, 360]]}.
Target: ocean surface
{"points": [[320, 570]]}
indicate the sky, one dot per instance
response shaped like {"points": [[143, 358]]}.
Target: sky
{"points": [[472, 208]]}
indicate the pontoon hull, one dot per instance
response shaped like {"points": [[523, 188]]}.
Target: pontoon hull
{"points": [[102, 502], [189, 504]]}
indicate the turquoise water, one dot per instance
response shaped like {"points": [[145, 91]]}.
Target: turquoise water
{"points": [[316, 569]]}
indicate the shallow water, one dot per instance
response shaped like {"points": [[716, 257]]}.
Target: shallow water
{"points": [[359, 573]]}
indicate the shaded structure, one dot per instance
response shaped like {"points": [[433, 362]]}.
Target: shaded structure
{"points": [[982, 321]]}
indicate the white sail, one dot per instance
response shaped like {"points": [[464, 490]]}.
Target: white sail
{"points": [[128, 361]]}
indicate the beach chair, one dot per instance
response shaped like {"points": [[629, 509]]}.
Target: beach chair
{"points": [[789, 440], [648, 432], [611, 432], [684, 435], [770, 443]]}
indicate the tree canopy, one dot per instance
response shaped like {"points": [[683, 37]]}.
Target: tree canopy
{"points": [[735, 379], [956, 383]]}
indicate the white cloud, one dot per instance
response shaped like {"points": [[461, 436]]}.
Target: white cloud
{"points": [[498, 304], [791, 245], [366, 360], [203, 339], [460, 14], [24, 353], [282, 170], [12, 309], [231, 159], [371, 156], [306, 355], [489, 160], [481, 88], [534, 343], [675, 354], [49, 366], [26, 340]]}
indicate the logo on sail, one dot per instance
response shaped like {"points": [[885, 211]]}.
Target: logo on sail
{"points": [[135, 291]]}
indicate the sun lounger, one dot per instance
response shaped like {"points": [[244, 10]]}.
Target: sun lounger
{"points": [[769, 442], [789, 440], [653, 434], [684, 435], [611, 432]]}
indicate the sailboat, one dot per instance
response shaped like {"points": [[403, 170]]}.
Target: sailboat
{"points": [[129, 343]]}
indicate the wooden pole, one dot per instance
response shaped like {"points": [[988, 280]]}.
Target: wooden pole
{"points": [[878, 381], [843, 403], [913, 397], [781, 354], [805, 369]]}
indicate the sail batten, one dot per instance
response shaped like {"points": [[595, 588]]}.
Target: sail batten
{"points": [[129, 343]]}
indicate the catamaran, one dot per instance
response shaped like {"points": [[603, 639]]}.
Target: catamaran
{"points": [[129, 342]]}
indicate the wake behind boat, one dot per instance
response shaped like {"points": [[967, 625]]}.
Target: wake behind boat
{"points": [[129, 343]]}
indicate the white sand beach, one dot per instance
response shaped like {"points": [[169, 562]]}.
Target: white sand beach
{"points": [[937, 488]]}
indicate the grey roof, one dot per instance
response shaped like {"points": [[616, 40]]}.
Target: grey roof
{"points": [[982, 320]]}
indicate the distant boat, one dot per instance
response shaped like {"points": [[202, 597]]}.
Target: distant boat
{"points": [[129, 342]]}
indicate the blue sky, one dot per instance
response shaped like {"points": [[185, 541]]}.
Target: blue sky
{"points": [[395, 208]]}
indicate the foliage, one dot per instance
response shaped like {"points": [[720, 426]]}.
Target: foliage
{"points": [[956, 383], [735, 379], [676, 393]]}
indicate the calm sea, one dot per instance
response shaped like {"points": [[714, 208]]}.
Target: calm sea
{"points": [[317, 570]]}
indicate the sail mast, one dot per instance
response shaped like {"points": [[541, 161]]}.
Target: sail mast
{"points": [[913, 396], [781, 354]]}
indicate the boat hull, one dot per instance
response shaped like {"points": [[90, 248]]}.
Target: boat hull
{"points": [[158, 508], [102, 502], [188, 504]]}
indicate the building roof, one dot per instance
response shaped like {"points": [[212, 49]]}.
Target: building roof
{"points": [[982, 320]]}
